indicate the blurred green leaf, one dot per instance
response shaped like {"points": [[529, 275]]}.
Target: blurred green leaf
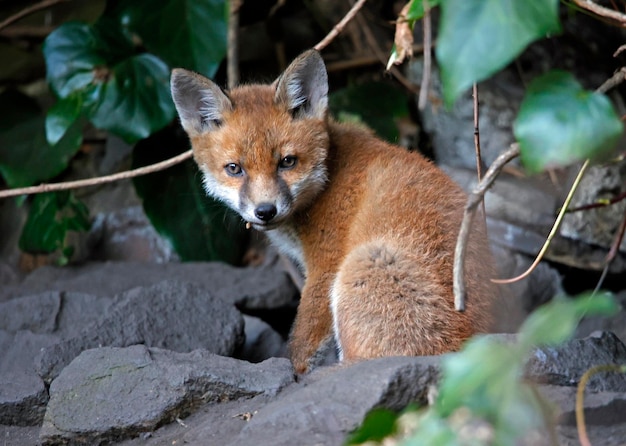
{"points": [[377, 104], [479, 37], [416, 10], [26, 157], [61, 116], [378, 424], [51, 216], [198, 227], [556, 321], [185, 33], [560, 123], [120, 91]]}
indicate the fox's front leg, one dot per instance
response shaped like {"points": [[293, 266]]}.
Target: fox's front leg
{"points": [[313, 324]]}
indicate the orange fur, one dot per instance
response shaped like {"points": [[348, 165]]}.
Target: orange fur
{"points": [[372, 225]]}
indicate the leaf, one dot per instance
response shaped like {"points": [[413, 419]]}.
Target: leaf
{"points": [[378, 424], [416, 10], [556, 321], [185, 33], [479, 37], [26, 157], [375, 103], [61, 116], [50, 218], [120, 91], [560, 123], [198, 227]]}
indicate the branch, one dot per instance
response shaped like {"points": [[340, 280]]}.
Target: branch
{"points": [[553, 231], [426, 25], [468, 216], [98, 180], [610, 14], [233, 43], [339, 26], [30, 10]]}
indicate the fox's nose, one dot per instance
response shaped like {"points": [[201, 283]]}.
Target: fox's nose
{"points": [[265, 211]]}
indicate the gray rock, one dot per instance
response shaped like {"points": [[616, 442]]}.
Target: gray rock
{"points": [[263, 287], [262, 341], [173, 315], [23, 399], [336, 401], [565, 364], [107, 394], [18, 350], [615, 323]]}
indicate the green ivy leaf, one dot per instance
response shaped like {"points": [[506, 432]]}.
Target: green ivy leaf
{"points": [[416, 10], [198, 227], [51, 216], [378, 424], [120, 91], [376, 103], [26, 157], [479, 37], [556, 321], [61, 116], [185, 33], [560, 123]]}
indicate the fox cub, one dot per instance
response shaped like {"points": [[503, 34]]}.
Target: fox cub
{"points": [[372, 226]]}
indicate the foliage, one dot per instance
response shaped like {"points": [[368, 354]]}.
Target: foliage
{"points": [[559, 123], [483, 398]]}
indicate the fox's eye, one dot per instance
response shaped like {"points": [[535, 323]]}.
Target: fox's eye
{"points": [[287, 162], [233, 169]]}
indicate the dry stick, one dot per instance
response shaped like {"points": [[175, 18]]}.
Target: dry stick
{"points": [[98, 180], [232, 68], [612, 253], [423, 95], [468, 216], [611, 14], [553, 231], [382, 57], [339, 26], [601, 204], [479, 160], [30, 10], [580, 394]]}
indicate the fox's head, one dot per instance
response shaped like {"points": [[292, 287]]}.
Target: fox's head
{"points": [[261, 148]]}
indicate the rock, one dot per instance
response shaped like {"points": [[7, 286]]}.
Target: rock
{"points": [[107, 394], [262, 341], [173, 315], [565, 364], [23, 399], [18, 350], [336, 401], [250, 288]]}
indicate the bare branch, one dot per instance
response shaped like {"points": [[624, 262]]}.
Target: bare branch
{"points": [[423, 95], [30, 10], [614, 16], [470, 210], [340, 26], [98, 180], [233, 43]]}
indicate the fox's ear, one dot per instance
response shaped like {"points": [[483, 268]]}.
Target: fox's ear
{"points": [[199, 101], [303, 87]]}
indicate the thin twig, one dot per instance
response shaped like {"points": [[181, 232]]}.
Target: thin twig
{"points": [[468, 216], [615, 16], [619, 236], [613, 81], [580, 395], [600, 204], [340, 26], [553, 231], [372, 42], [30, 10], [98, 180], [233, 43], [423, 94]]}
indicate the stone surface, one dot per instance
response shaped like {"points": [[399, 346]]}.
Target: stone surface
{"points": [[23, 399], [565, 364], [615, 323], [107, 394], [262, 287], [262, 341], [173, 315]]}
